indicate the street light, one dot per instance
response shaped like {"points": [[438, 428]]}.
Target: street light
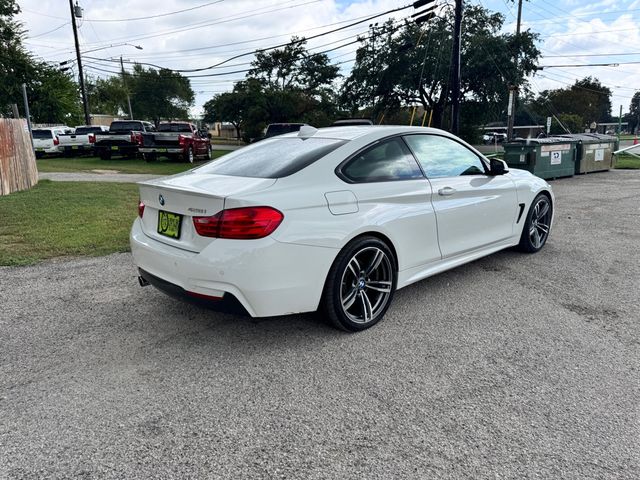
{"points": [[103, 48]]}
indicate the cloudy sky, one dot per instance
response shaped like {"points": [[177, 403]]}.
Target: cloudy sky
{"points": [[192, 34]]}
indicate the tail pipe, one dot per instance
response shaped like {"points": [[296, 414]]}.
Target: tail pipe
{"points": [[142, 281]]}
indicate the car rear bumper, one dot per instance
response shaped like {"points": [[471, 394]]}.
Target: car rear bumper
{"points": [[77, 148], [265, 276], [227, 304], [55, 149], [121, 149], [172, 150]]}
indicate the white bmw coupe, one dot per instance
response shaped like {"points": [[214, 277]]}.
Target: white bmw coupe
{"points": [[335, 219]]}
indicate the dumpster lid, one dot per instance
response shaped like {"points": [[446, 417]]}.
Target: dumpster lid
{"points": [[589, 137], [543, 140]]}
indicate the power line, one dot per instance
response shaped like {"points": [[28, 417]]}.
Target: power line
{"points": [[153, 16], [221, 20], [591, 55], [49, 31], [252, 52]]}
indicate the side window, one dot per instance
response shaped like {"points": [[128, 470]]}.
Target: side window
{"points": [[443, 157], [390, 160]]}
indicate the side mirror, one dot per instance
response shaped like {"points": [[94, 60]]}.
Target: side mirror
{"points": [[497, 167]]}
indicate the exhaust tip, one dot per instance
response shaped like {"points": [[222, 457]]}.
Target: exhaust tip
{"points": [[142, 281]]}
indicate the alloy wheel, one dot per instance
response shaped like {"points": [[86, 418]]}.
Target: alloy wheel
{"points": [[540, 222], [366, 283]]}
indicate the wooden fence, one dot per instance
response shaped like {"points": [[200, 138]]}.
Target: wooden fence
{"points": [[18, 170]]}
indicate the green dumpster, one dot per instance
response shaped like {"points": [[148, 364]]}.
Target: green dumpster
{"points": [[594, 151], [550, 157]]}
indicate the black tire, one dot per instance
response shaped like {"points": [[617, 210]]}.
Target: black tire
{"points": [[39, 154], [105, 155], [149, 157], [189, 156], [537, 225], [209, 152], [366, 284]]}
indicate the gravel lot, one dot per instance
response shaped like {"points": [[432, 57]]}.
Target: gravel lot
{"points": [[515, 366]]}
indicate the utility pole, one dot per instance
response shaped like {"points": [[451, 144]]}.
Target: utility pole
{"points": [[27, 114], [124, 83], [513, 89], [455, 70], [85, 105]]}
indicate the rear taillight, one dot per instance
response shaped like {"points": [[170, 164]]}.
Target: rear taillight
{"points": [[181, 140], [140, 208], [92, 138], [239, 223], [56, 141], [136, 138]]}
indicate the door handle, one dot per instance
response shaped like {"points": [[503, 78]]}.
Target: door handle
{"points": [[446, 191]]}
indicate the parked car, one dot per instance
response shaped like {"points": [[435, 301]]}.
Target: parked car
{"points": [[46, 140], [351, 122], [81, 141], [180, 140], [493, 137], [123, 138], [330, 219], [274, 129]]}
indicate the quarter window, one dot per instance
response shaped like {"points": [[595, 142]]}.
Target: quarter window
{"points": [[443, 157], [387, 161]]}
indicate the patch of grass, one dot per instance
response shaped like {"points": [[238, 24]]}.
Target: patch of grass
{"points": [[56, 219], [627, 162], [162, 166]]}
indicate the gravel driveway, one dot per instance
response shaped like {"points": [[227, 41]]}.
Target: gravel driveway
{"points": [[515, 366]]}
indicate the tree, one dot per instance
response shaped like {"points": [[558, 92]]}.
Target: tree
{"points": [[284, 85], [293, 67], [409, 64], [573, 123], [244, 107], [159, 94], [634, 113], [15, 64], [106, 95], [53, 95], [586, 98]]}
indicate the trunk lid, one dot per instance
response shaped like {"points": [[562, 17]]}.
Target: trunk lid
{"points": [[189, 195], [163, 139], [43, 143]]}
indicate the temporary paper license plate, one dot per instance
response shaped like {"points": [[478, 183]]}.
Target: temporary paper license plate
{"points": [[161, 149], [39, 149], [74, 147], [113, 147], [169, 224]]}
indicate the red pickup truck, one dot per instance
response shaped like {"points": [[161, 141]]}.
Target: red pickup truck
{"points": [[180, 140]]}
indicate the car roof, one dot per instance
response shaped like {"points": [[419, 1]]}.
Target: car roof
{"points": [[374, 131]]}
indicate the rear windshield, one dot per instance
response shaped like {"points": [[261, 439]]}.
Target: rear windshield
{"points": [[125, 126], [273, 158], [42, 134], [85, 130], [174, 127], [282, 128]]}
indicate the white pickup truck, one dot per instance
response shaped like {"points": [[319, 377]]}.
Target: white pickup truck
{"points": [[80, 142], [47, 139]]}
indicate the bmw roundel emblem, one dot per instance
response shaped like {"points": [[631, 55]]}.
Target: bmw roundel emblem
{"points": [[161, 199]]}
